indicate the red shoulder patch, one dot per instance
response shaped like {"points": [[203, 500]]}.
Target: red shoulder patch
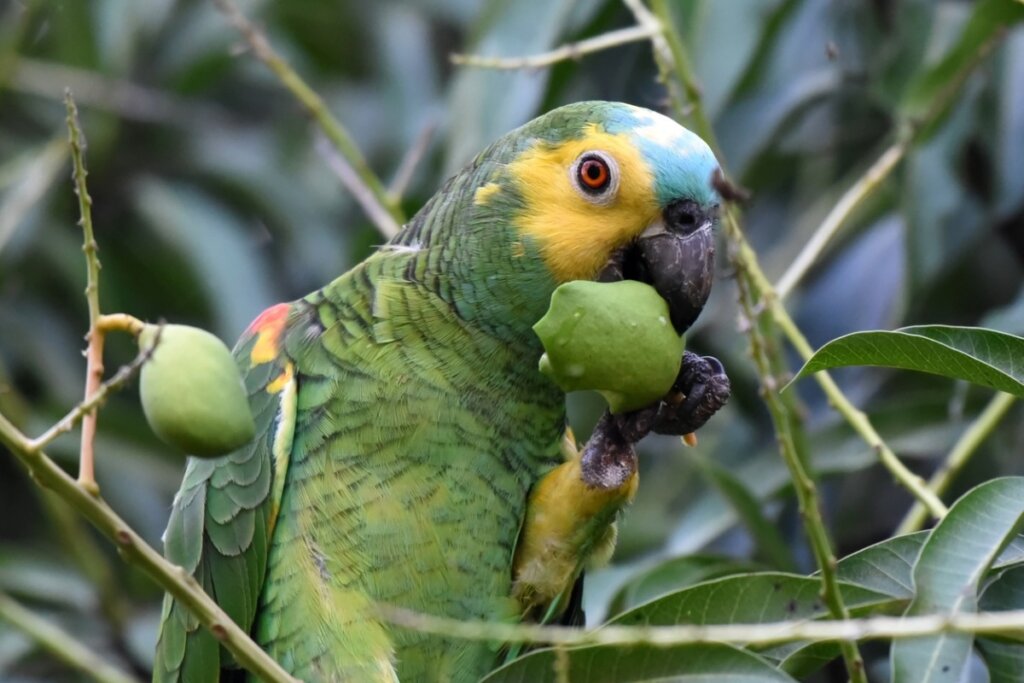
{"points": [[268, 325]]}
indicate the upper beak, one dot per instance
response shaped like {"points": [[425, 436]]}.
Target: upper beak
{"points": [[678, 261]]}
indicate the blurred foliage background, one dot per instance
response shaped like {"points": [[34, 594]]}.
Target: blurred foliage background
{"points": [[211, 202]]}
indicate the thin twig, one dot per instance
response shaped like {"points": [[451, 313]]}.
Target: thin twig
{"points": [[575, 50], [341, 139], [61, 644], [173, 579], [908, 133], [965, 447], [844, 208], [96, 399], [94, 352], [350, 179], [803, 484], [1008, 623], [410, 162]]}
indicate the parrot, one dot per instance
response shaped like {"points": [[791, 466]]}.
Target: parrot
{"points": [[408, 452]]}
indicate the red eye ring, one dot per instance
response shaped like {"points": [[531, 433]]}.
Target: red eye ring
{"points": [[593, 174]]}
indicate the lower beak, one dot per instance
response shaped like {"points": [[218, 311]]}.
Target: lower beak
{"points": [[680, 267]]}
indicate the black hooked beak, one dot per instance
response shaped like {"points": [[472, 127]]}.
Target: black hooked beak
{"points": [[676, 256]]}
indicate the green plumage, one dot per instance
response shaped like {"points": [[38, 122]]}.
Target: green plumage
{"points": [[392, 450], [401, 426]]}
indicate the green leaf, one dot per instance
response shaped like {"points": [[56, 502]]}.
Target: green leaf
{"points": [[1010, 165], [989, 18], [703, 663], [975, 354], [745, 598], [1012, 555], [885, 567], [948, 572], [1004, 657], [673, 575]]}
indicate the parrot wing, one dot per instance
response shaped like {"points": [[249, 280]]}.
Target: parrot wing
{"points": [[223, 516]]}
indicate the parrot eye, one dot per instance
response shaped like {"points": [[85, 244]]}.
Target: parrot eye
{"points": [[595, 176]]}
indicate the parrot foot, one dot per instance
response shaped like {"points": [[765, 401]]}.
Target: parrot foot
{"points": [[608, 459], [700, 389]]}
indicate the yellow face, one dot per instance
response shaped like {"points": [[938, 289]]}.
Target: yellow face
{"points": [[577, 230]]}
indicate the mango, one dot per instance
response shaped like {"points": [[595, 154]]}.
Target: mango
{"points": [[615, 338], [192, 392]]}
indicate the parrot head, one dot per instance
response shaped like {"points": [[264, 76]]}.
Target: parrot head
{"points": [[605, 190]]}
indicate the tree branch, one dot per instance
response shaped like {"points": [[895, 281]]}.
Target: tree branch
{"points": [[83, 495], [352, 182], [575, 50], [1008, 623]]}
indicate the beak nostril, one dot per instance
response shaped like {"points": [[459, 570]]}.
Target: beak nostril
{"points": [[683, 216]]}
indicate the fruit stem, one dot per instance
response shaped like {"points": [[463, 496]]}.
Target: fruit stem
{"points": [[120, 322]]}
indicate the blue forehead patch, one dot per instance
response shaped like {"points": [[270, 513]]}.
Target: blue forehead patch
{"points": [[681, 161]]}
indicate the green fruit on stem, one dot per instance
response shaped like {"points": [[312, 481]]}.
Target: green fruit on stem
{"points": [[615, 338], [192, 392]]}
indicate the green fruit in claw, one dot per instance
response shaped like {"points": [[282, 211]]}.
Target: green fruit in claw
{"points": [[615, 338], [192, 392]]}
